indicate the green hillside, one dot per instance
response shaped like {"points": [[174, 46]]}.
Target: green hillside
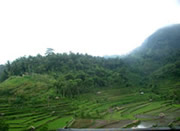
{"points": [[82, 91]]}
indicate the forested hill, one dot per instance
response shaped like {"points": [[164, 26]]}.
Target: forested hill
{"points": [[161, 48], [156, 61]]}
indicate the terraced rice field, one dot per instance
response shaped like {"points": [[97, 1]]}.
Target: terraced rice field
{"points": [[107, 109], [21, 118]]}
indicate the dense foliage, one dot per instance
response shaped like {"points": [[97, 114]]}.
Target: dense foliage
{"points": [[1, 69], [73, 73], [3, 126]]}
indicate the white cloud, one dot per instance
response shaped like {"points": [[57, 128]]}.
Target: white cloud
{"points": [[96, 27]]}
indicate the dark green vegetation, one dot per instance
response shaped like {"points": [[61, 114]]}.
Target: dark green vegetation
{"points": [[57, 90]]}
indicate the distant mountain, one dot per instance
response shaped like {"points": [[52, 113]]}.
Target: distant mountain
{"points": [[112, 56], [161, 48], [162, 44]]}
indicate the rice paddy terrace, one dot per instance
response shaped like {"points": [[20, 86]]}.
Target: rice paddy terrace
{"points": [[115, 108]]}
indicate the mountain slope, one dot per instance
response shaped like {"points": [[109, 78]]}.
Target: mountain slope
{"points": [[161, 48]]}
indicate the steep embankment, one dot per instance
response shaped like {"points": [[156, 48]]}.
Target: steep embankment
{"points": [[27, 89]]}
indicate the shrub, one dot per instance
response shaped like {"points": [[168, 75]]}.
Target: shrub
{"points": [[3, 126]]}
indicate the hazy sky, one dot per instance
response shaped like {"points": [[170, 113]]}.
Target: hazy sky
{"points": [[96, 27]]}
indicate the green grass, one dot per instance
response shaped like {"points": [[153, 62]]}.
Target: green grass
{"points": [[44, 121], [59, 123], [148, 108]]}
